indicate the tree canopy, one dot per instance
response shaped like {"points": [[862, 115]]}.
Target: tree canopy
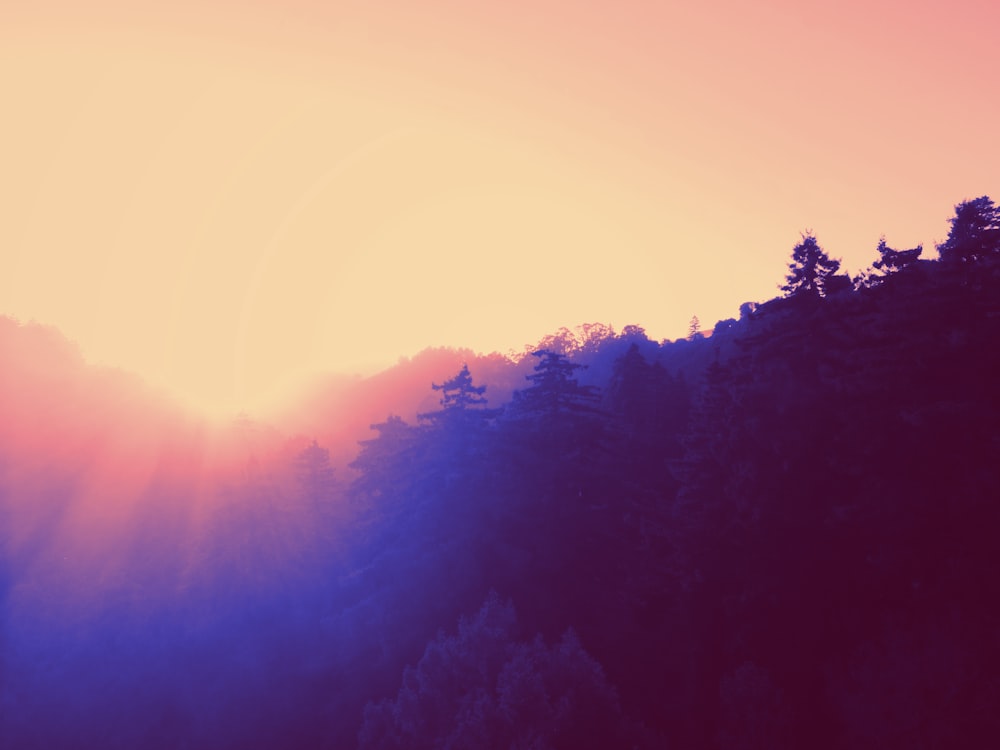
{"points": [[810, 269], [554, 388], [460, 400], [975, 232]]}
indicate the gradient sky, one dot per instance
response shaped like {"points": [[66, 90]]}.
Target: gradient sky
{"points": [[224, 196]]}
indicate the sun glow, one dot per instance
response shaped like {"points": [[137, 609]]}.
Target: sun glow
{"points": [[228, 201]]}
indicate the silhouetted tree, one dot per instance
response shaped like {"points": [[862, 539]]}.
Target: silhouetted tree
{"points": [[888, 263], [647, 399], [555, 389], [454, 438], [634, 333], [975, 232], [892, 261], [694, 328], [592, 336], [461, 401], [810, 268], [632, 387]]}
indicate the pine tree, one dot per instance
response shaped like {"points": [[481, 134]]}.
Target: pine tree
{"points": [[975, 232], [555, 430], [893, 261], [888, 263], [459, 398], [555, 389], [456, 432], [694, 328], [810, 268], [386, 461]]}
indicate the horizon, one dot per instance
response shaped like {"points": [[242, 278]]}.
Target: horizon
{"points": [[231, 202], [277, 404]]}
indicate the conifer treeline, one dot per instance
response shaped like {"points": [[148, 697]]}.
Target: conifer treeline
{"points": [[788, 549]]}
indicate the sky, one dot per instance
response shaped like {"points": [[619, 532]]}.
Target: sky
{"points": [[226, 197]]}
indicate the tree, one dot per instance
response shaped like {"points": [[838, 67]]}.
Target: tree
{"points": [[893, 261], [634, 333], [386, 461], [554, 390], [455, 435], [554, 435], [975, 232], [459, 399], [632, 387], [646, 397], [694, 328], [810, 268], [889, 263]]}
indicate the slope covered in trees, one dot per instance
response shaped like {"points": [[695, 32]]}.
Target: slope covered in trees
{"points": [[778, 535]]}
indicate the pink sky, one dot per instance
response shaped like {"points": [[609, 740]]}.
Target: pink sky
{"points": [[226, 196]]}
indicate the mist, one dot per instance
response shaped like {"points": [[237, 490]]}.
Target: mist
{"points": [[774, 532]]}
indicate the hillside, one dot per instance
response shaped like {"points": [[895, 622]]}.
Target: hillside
{"points": [[781, 535]]}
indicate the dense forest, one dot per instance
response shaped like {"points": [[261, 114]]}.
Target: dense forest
{"points": [[777, 534]]}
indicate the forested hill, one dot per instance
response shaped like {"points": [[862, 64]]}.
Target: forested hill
{"points": [[781, 535]]}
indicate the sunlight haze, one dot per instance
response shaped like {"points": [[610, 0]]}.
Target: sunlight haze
{"points": [[228, 198]]}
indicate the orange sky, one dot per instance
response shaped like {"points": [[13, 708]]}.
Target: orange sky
{"points": [[224, 196]]}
